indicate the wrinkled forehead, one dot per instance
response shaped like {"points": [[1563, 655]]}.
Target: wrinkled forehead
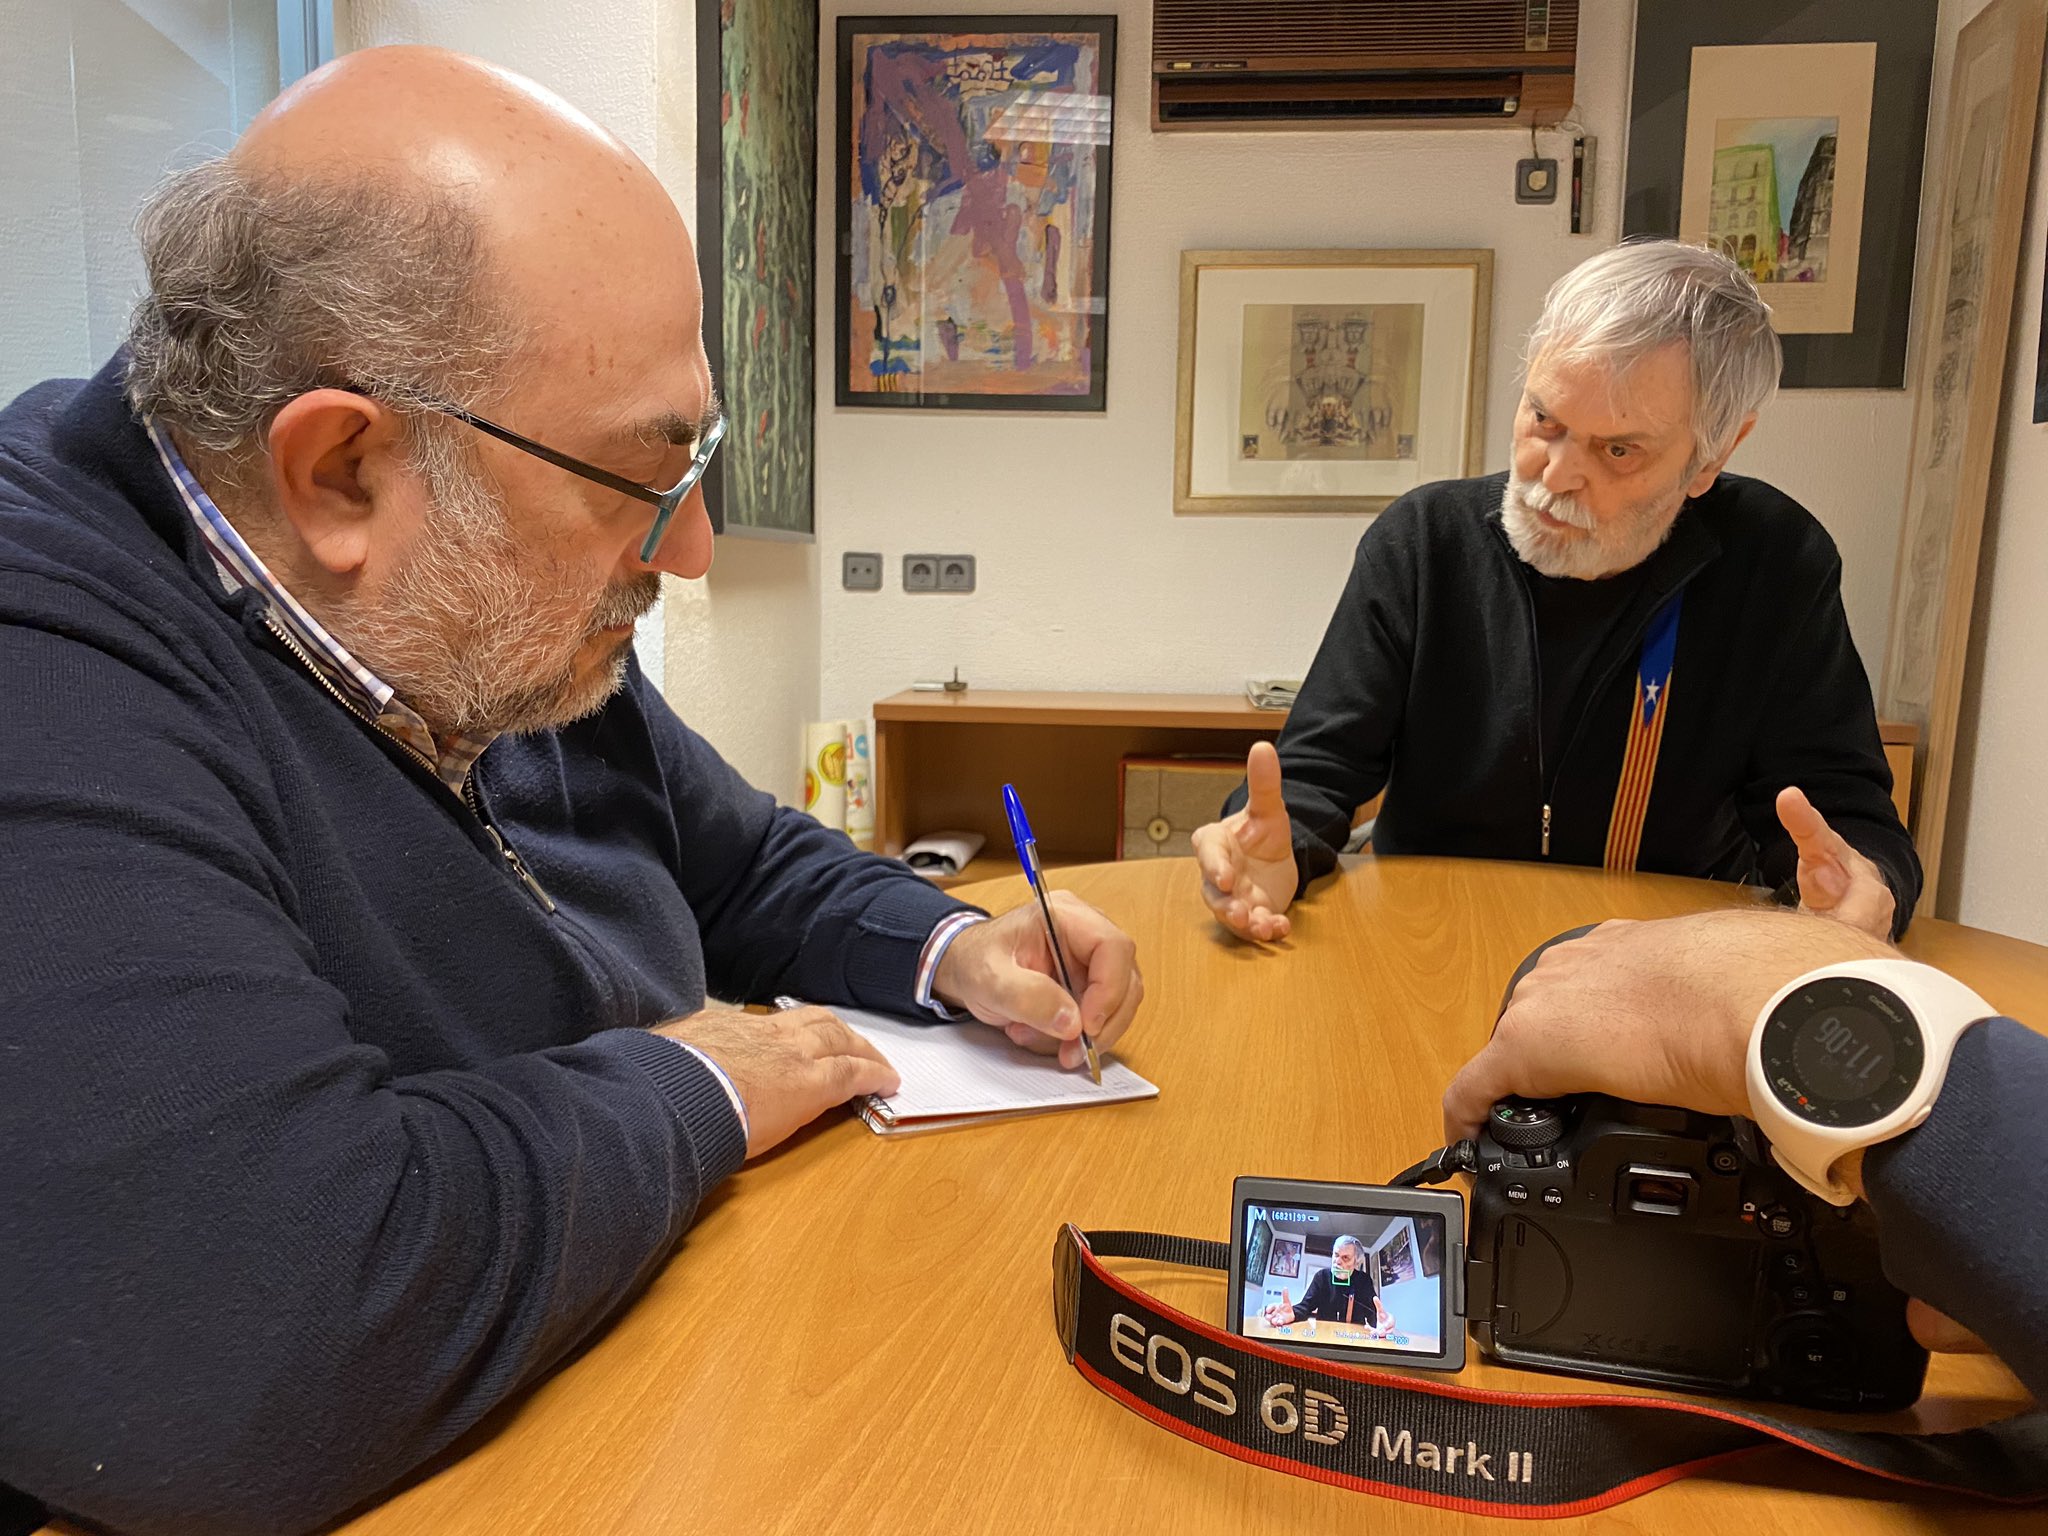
{"points": [[1646, 396]]}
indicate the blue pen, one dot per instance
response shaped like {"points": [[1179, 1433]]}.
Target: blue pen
{"points": [[1027, 852]]}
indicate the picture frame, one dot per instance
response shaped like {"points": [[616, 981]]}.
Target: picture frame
{"points": [[1722, 93], [757, 220], [1328, 381], [1987, 154], [972, 209], [1286, 1258]]}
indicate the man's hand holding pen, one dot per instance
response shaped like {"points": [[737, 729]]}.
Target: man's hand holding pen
{"points": [[1003, 972]]}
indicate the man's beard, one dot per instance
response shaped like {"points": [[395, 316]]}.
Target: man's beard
{"points": [[1625, 542], [476, 635]]}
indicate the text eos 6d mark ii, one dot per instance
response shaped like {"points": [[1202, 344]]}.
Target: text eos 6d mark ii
{"points": [[1628, 1241]]}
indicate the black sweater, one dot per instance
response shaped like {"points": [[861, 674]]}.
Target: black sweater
{"points": [[1426, 686]]}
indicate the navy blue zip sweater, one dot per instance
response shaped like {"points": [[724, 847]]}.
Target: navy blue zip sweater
{"points": [[321, 1134]]}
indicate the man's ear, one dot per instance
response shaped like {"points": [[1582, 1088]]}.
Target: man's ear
{"points": [[1698, 484], [330, 455]]}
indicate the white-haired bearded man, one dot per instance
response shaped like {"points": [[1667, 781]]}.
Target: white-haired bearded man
{"points": [[1614, 654]]}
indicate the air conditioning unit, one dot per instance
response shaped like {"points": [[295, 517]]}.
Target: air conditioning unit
{"points": [[1237, 64]]}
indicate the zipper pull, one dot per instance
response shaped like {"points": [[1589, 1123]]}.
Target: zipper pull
{"points": [[519, 868], [1546, 833]]}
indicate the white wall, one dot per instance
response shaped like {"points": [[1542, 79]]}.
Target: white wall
{"points": [[1087, 579], [736, 653], [1998, 823]]}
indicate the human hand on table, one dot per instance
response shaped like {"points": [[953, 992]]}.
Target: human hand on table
{"points": [[1247, 859], [788, 1068], [1003, 972], [1657, 1012], [1834, 879], [1661, 1013]]}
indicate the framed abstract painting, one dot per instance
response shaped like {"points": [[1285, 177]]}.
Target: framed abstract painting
{"points": [[1328, 381], [757, 201], [972, 193]]}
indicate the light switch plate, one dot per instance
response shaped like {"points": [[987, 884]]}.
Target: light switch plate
{"points": [[1535, 181]]}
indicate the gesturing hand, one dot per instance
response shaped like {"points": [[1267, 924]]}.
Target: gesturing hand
{"points": [[1247, 859], [1834, 879], [787, 1067], [1003, 972]]}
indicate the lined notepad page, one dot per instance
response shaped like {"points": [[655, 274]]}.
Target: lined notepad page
{"points": [[971, 1069]]}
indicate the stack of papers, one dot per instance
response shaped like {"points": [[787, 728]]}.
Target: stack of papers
{"points": [[969, 1074], [1272, 692]]}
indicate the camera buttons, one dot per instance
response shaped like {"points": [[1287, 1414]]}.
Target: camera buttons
{"points": [[1518, 1193], [1778, 1221], [1553, 1196]]}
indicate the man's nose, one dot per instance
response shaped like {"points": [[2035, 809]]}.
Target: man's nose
{"points": [[685, 549], [1562, 473]]}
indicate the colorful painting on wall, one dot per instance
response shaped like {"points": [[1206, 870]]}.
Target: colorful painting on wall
{"points": [[1774, 194], [973, 211], [757, 141], [1777, 144], [1789, 134]]}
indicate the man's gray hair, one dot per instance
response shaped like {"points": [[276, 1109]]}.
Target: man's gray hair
{"points": [[260, 290], [1624, 304]]}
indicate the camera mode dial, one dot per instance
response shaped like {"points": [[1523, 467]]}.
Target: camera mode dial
{"points": [[1524, 1123]]}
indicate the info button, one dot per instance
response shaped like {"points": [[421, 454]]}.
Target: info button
{"points": [[1553, 1196]]}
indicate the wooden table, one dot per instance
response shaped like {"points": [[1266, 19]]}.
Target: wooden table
{"points": [[857, 1335]]}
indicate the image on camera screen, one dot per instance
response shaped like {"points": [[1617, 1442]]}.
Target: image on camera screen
{"points": [[1348, 1279]]}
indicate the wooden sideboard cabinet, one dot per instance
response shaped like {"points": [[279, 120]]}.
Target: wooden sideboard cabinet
{"points": [[941, 760]]}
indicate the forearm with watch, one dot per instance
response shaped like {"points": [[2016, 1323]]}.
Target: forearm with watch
{"points": [[1888, 1080]]}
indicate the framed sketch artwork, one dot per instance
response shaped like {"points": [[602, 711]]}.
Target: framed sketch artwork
{"points": [[1328, 381], [972, 202], [1987, 163]]}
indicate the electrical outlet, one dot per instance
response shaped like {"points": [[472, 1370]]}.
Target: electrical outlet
{"points": [[920, 573], [860, 572], [956, 573]]}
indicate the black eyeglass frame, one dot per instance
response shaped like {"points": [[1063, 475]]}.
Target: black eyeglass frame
{"points": [[663, 502]]}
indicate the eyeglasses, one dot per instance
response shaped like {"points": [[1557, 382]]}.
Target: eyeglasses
{"points": [[663, 502]]}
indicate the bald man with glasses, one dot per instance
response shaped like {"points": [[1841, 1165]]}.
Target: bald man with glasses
{"points": [[363, 898]]}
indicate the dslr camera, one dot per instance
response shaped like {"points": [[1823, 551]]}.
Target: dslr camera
{"points": [[1662, 1247], [1633, 1242]]}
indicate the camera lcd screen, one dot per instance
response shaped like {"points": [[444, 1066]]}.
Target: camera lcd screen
{"points": [[1349, 1271]]}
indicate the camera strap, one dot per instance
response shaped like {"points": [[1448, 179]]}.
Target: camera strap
{"points": [[1527, 1454]]}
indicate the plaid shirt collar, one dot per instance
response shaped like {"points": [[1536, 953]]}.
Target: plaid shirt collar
{"points": [[362, 690]]}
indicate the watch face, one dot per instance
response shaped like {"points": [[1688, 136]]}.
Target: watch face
{"points": [[1842, 1052]]}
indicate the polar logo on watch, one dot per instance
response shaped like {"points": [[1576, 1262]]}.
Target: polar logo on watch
{"points": [[1842, 1052]]}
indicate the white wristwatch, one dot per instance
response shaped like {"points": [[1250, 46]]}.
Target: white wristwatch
{"points": [[1850, 1055]]}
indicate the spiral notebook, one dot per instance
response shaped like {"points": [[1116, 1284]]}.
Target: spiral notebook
{"points": [[969, 1074]]}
